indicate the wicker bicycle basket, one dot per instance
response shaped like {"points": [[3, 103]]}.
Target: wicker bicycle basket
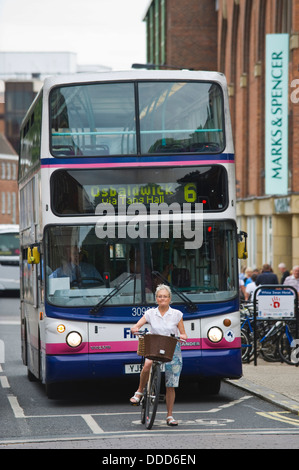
{"points": [[141, 347], [159, 347]]}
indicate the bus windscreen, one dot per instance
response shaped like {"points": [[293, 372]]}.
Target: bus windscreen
{"points": [[83, 269], [137, 118]]}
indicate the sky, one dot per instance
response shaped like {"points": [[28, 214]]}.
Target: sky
{"points": [[100, 32]]}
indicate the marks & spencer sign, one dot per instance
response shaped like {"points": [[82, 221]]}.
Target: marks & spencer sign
{"points": [[276, 129]]}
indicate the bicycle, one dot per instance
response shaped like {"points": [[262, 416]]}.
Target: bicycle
{"points": [[160, 349], [247, 334], [266, 340], [274, 340], [286, 342]]}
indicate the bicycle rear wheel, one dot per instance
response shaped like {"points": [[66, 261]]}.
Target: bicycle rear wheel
{"points": [[269, 350], [285, 348], [152, 395]]}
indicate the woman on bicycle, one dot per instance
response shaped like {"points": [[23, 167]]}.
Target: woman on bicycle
{"points": [[164, 320]]}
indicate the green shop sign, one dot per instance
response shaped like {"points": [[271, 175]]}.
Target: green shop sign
{"points": [[276, 129]]}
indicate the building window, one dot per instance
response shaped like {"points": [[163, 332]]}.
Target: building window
{"points": [[267, 240], [3, 171], [157, 32], [14, 208], [251, 241], [8, 167], [163, 32], [3, 203], [151, 35], [14, 172], [8, 203]]}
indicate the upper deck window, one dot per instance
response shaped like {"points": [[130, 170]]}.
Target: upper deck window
{"points": [[93, 120], [140, 118], [180, 117]]}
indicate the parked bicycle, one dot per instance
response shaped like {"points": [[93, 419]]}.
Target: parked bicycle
{"points": [[274, 338], [265, 331], [160, 349]]}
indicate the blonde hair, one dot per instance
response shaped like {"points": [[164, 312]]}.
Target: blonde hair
{"points": [[163, 287]]}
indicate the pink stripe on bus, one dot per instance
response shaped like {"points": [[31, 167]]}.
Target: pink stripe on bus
{"points": [[223, 344], [63, 348], [131, 346]]}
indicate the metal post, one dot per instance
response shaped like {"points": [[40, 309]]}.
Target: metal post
{"points": [[254, 323]]}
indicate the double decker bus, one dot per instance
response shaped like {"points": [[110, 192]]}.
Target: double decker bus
{"points": [[130, 182]]}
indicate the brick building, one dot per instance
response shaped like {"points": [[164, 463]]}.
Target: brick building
{"points": [[182, 33], [9, 207], [271, 219]]}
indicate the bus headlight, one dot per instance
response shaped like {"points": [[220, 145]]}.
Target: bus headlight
{"points": [[215, 334], [74, 339]]}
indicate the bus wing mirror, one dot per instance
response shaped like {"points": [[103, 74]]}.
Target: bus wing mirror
{"points": [[33, 255], [242, 245]]}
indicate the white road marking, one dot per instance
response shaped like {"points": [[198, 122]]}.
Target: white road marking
{"points": [[4, 382], [154, 433], [16, 408], [96, 429], [235, 402]]}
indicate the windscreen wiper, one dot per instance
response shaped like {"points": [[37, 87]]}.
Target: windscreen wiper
{"points": [[98, 307], [190, 305]]}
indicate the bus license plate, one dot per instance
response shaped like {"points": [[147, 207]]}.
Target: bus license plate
{"points": [[136, 368], [132, 368]]}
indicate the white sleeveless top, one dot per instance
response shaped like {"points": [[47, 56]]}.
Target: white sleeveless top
{"points": [[166, 324]]}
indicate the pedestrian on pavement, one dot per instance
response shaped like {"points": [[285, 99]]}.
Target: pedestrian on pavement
{"points": [[250, 288], [267, 276], [248, 274], [284, 272], [293, 280]]}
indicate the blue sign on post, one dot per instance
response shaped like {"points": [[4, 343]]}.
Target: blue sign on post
{"points": [[276, 304], [276, 111]]}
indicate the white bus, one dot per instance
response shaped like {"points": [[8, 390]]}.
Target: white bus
{"points": [[94, 146], [9, 258]]}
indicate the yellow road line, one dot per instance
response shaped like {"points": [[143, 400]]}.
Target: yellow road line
{"points": [[278, 416]]}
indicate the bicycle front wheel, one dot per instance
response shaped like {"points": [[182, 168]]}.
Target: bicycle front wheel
{"points": [[143, 403], [246, 347], [152, 395]]}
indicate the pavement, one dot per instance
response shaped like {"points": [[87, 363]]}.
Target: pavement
{"points": [[275, 382]]}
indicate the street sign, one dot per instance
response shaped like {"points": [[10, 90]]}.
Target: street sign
{"points": [[276, 304]]}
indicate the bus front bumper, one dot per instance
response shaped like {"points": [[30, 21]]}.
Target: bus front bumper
{"points": [[221, 363]]}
